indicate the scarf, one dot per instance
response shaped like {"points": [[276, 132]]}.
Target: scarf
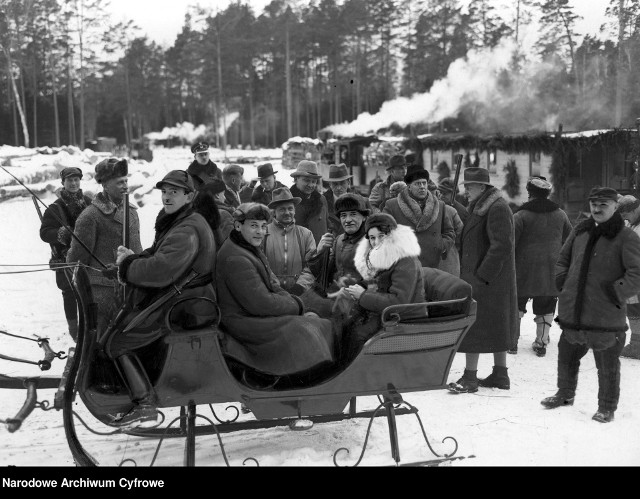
{"points": [[74, 201], [609, 230], [356, 236], [421, 218], [308, 207]]}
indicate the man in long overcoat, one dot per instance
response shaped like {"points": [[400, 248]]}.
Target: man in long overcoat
{"points": [[487, 262], [312, 212], [541, 228], [597, 271], [99, 227], [267, 327]]}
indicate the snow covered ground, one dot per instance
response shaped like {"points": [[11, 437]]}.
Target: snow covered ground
{"points": [[492, 427]]}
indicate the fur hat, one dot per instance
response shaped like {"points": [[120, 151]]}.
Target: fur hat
{"points": [[381, 221], [628, 203], [416, 172], [539, 187], [111, 168], [350, 202], [252, 211]]}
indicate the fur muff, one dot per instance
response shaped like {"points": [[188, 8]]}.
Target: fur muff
{"points": [[399, 243]]}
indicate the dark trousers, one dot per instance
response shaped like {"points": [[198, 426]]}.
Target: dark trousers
{"points": [[574, 345], [68, 298], [542, 305]]}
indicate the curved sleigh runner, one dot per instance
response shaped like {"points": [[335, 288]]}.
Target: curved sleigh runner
{"points": [[188, 368]]}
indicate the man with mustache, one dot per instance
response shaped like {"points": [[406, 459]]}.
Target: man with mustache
{"points": [[99, 227]]}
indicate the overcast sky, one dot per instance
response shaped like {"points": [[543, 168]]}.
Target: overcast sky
{"points": [[162, 20]]}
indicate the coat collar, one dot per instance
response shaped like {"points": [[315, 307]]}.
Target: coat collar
{"points": [[608, 229], [422, 219], [539, 205], [482, 205], [400, 243]]}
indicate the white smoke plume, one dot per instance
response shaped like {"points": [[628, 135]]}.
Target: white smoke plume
{"points": [[487, 89]]}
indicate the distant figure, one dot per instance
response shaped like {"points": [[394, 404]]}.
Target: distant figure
{"points": [[397, 169], [232, 176], [64, 211], [210, 203], [267, 178], [597, 271], [202, 169], [629, 208], [339, 183]]}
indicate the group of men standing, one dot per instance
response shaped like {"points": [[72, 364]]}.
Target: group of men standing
{"points": [[286, 242]]}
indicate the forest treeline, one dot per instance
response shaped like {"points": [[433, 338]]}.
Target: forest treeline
{"points": [[70, 73]]}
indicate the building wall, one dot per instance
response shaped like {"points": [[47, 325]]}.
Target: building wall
{"points": [[527, 165]]}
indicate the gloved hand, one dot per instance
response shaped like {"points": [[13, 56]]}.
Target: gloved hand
{"points": [[122, 254], [111, 272], [64, 236]]}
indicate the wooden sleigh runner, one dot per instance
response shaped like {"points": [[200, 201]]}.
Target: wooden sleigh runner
{"points": [[188, 368]]}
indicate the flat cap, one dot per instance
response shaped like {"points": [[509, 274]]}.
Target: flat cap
{"points": [[178, 178], [70, 171], [599, 193]]}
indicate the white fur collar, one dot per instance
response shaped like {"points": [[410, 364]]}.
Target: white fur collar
{"points": [[400, 243], [484, 203]]}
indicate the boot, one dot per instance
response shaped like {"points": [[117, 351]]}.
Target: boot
{"points": [[603, 416], [467, 384], [144, 413], [497, 379], [632, 350], [73, 329], [543, 323], [516, 335]]}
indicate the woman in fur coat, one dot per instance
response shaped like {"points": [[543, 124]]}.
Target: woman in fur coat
{"points": [[387, 259]]}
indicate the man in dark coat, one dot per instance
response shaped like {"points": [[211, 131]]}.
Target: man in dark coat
{"points": [[312, 212], [597, 271], [183, 244], [64, 211], [421, 210], [541, 228], [267, 328], [338, 265], [202, 169], [267, 179], [379, 194], [487, 262], [232, 176]]}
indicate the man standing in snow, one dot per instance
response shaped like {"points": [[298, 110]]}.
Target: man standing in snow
{"points": [[99, 227], [397, 169], [597, 271], [65, 211], [541, 228]]}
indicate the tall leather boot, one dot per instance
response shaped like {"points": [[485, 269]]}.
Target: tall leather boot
{"points": [[543, 323], [515, 335], [632, 350], [73, 328], [144, 413]]}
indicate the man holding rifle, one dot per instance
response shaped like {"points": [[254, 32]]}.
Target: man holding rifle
{"points": [[64, 211], [100, 228]]}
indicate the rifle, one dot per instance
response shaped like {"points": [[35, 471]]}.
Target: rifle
{"points": [[458, 162], [36, 198], [125, 236]]}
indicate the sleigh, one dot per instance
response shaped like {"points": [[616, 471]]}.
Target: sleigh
{"points": [[189, 368]]}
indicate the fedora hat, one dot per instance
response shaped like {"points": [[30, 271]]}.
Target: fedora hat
{"points": [[475, 175], [266, 170], [282, 195], [338, 173], [306, 168], [397, 160]]}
